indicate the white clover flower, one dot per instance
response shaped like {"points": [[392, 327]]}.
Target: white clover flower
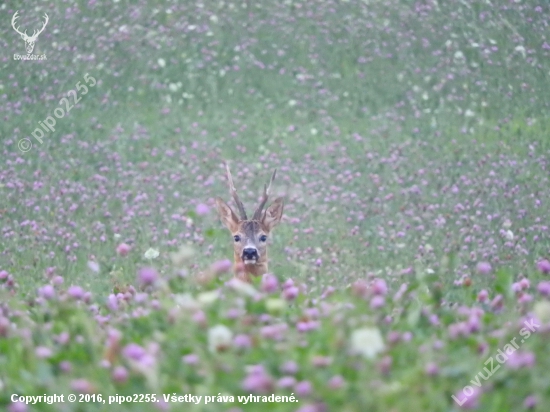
{"points": [[93, 266], [542, 311], [183, 255], [520, 49], [275, 305], [366, 342], [207, 298], [509, 235], [186, 302], [459, 55], [219, 338], [241, 287], [188, 222], [151, 254]]}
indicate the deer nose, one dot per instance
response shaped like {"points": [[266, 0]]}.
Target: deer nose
{"points": [[250, 253]]}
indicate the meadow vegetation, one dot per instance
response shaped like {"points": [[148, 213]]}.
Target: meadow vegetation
{"points": [[409, 272]]}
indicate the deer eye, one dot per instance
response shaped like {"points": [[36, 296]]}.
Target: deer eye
{"points": [[237, 238], [263, 238]]}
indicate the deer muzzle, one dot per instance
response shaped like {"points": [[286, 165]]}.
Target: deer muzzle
{"points": [[250, 255]]}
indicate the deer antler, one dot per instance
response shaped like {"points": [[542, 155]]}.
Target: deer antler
{"points": [[233, 192], [24, 34], [13, 22], [258, 212], [37, 32]]}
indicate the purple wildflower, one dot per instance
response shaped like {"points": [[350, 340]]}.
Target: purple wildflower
{"points": [[147, 276], [543, 266]]}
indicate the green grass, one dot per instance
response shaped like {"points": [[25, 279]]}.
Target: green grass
{"points": [[361, 107]]}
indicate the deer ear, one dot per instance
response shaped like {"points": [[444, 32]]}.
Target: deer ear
{"points": [[227, 216], [273, 214]]}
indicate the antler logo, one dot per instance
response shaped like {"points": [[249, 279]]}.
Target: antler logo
{"points": [[29, 40]]}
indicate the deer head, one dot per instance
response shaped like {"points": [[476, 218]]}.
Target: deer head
{"points": [[29, 40], [250, 235]]}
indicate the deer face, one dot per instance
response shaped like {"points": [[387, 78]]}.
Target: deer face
{"points": [[250, 235]]}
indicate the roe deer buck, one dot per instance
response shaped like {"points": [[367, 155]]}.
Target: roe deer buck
{"points": [[250, 235]]}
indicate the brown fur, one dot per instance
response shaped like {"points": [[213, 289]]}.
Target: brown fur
{"points": [[250, 232]]}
